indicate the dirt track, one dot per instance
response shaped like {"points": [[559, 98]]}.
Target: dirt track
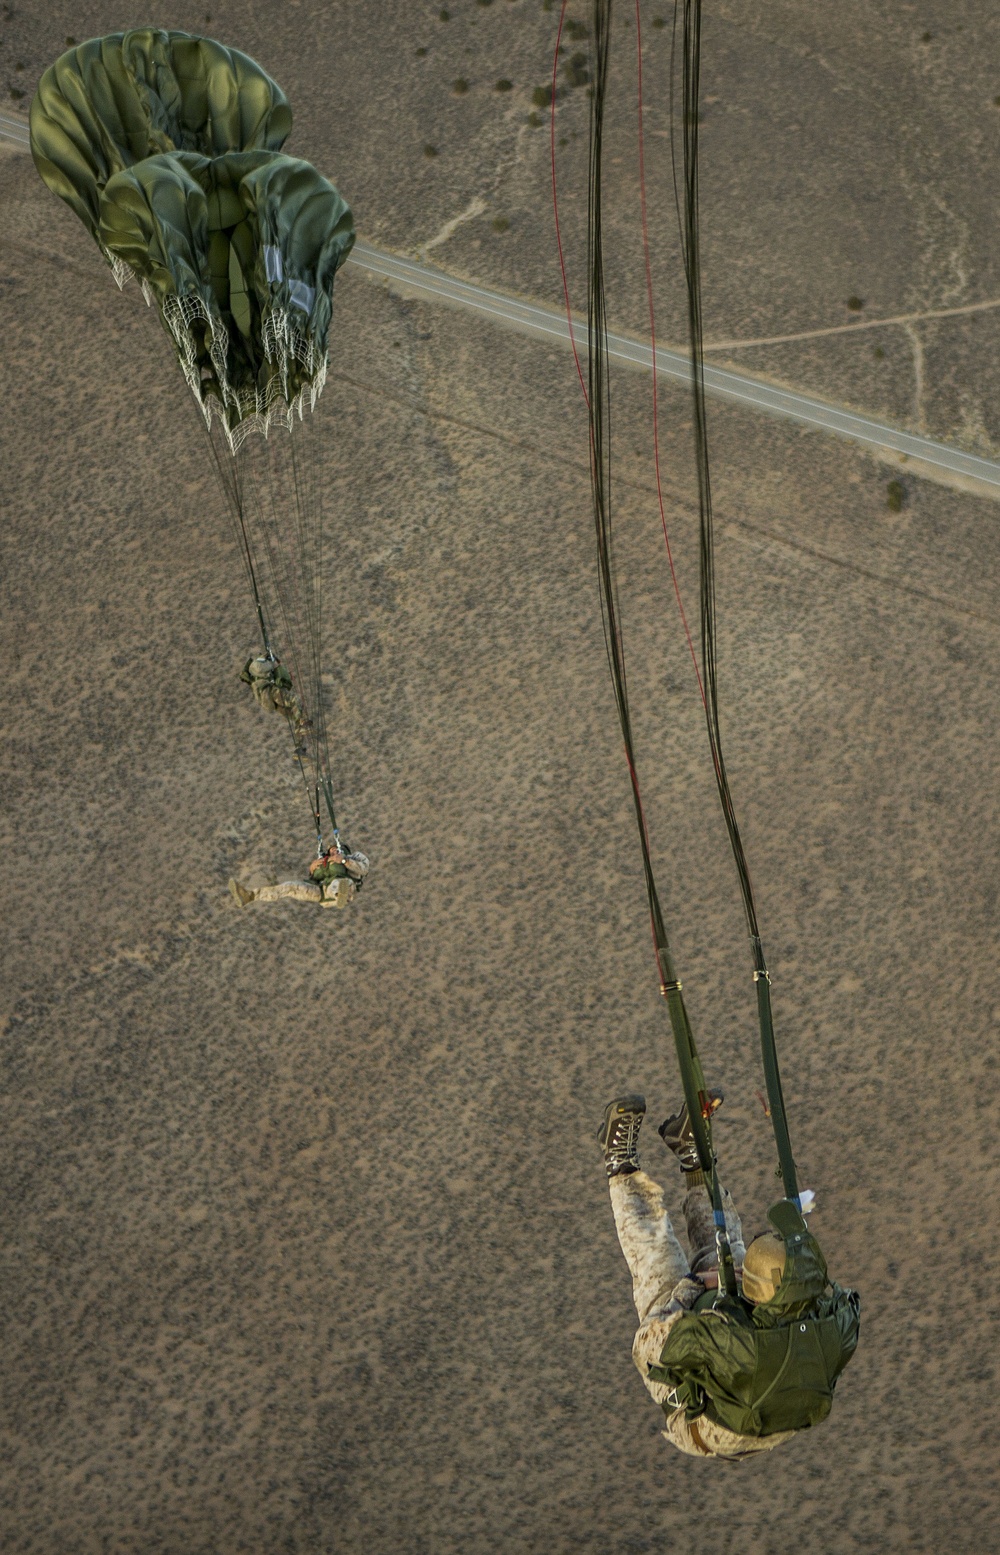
{"points": [[304, 1237]]}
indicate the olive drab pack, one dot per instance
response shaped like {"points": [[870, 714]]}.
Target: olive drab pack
{"points": [[773, 1367]]}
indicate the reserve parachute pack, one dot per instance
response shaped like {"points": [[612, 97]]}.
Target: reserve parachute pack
{"points": [[773, 1367]]}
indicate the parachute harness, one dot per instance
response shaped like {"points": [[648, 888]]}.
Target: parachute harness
{"points": [[596, 392]]}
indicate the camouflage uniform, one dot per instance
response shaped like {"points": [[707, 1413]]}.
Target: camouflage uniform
{"points": [[659, 1265], [271, 685], [334, 879]]}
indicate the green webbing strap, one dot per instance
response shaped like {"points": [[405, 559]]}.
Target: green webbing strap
{"points": [[690, 245], [328, 796], [772, 1074], [696, 1097]]}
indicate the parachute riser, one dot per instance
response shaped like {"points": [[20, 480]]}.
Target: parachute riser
{"points": [[690, 244], [772, 1074], [699, 1108], [328, 797], [269, 652]]}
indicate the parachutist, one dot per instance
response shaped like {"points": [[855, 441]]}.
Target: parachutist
{"points": [[335, 878], [734, 1376], [339, 862], [271, 685]]}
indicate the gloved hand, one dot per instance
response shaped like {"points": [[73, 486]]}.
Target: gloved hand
{"points": [[685, 1294]]}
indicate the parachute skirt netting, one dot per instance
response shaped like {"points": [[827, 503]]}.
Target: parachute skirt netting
{"points": [[245, 410], [255, 411]]}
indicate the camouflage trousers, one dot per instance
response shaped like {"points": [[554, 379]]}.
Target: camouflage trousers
{"points": [[658, 1263], [336, 893]]}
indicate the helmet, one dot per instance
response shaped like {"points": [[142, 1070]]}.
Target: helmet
{"points": [[763, 1267]]}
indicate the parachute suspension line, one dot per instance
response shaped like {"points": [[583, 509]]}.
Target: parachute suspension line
{"points": [[232, 487], [309, 514], [304, 562], [313, 803], [293, 570], [652, 343], [237, 474], [296, 577], [597, 392], [691, 252], [239, 505], [292, 592], [310, 521], [265, 511], [649, 299], [555, 200], [600, 477], [299, 581]]}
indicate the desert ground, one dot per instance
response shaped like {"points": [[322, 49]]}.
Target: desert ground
{"points": [[305, 1241]]}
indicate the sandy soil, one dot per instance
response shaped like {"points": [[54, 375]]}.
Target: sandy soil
{"points": [[304, 1235]]}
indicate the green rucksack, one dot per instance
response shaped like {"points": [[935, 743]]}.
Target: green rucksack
{"points": [[772, 1367]]}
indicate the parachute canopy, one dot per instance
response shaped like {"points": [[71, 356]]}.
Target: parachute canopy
{"points": [[167, 146], [109, 103], [240, 252]]}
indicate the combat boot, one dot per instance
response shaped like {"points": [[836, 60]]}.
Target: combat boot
{"points": [[678, 1135], [337, 893], [618, 1135]]}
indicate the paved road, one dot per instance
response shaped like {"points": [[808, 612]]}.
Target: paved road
{"points": [[925, 456], [922, 455], [14, 129]]}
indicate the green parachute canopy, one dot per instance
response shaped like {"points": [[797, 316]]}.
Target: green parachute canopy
{"points": [[240, 252], [167, 146], [115, 100]]}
